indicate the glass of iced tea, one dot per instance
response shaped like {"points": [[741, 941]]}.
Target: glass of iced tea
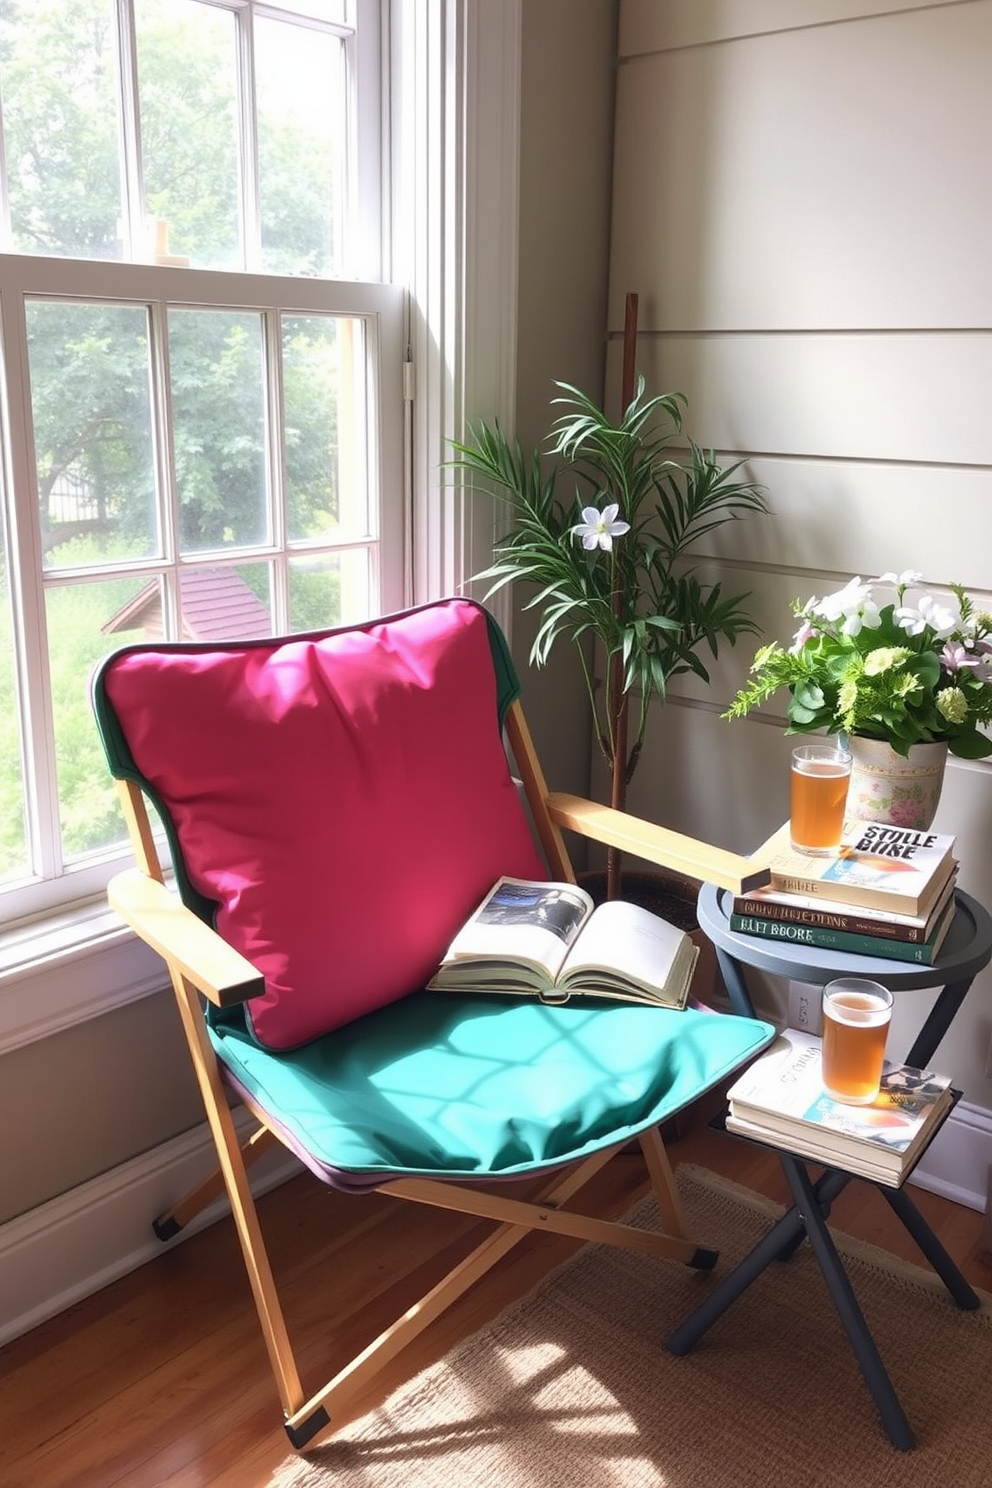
{"points": [[819, 779], [856, 1017]]}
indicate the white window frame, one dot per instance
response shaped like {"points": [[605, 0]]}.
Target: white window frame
{"points": [[454, 212], [381, 308]]}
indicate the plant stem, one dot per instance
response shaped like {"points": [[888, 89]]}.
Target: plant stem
{"points": [[617, 699]]}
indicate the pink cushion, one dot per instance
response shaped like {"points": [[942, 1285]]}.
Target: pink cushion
{"points": [[345, 800]]}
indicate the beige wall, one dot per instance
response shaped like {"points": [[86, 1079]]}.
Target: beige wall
{"points": [[91, 1097], [569, 52], [802, 202]]}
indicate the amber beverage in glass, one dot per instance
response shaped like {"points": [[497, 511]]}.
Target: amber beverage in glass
{"points": [[819, 779], [856, 1017]]}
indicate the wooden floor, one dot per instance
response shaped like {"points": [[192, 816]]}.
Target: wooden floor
{"points": [[162, 1379]]}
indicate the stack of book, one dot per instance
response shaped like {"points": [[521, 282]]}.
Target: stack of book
{"points": [[889, 892], [780, 1100]]}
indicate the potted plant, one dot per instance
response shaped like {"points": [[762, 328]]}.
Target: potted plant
{"points": [[905, 682], [605, 536]]}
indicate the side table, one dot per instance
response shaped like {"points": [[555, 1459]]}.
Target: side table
{"points": [[967, 949]]}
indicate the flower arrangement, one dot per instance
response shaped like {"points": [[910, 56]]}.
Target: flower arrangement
{"points": [[907, 672]]}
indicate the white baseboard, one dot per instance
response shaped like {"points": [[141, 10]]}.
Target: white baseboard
{"points": [[64, 1250], [81, 1241], [956, 1165]]}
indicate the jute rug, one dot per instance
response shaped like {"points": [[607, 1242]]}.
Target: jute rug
{"points": [[572, 1385]]}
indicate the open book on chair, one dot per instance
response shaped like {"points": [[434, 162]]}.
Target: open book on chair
{"points": [[552, 940]]}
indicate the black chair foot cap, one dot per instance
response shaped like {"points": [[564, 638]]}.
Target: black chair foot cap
{"points": [[676, 1345], [307, 1430], [166, 1228], [704, 1260]]}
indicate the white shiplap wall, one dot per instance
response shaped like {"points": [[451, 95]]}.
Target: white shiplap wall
{"points": [[803, 203]]}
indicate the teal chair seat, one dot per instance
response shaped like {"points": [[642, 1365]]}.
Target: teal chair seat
{"points": [[446, 1086]]}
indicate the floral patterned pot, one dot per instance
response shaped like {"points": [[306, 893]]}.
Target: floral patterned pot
{"points": [[889, 787]]}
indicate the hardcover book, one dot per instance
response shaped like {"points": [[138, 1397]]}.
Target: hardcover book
{"points": [[551, 940], [920, 952], [780, 1100], [878, 867], [822, 914]]}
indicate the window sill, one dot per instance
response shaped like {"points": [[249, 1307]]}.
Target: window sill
{"points": [[67, 968]]}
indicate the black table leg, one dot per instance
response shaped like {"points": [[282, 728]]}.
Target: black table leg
{"points": [[825, 1189], [842, 1293], [733, 980], [937, 1023], [804, 1220], [903, 1206], [735, 1284]]}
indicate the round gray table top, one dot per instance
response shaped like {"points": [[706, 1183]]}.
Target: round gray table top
{"points": [[967, 949]]}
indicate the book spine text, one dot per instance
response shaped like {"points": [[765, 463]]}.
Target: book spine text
{"points": [[827, 919], [833, 940], [863, 896]]}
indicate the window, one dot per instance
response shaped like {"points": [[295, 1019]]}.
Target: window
{"points": [[201, 397]]}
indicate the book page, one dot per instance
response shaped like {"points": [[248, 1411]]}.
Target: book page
{"points": [[523, 921], [784, 1088], [623, 940]]}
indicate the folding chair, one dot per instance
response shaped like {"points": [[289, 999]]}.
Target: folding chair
{"points": [[336, 805]]}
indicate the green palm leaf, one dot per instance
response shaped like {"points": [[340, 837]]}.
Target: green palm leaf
{"points": [[642, 601]]}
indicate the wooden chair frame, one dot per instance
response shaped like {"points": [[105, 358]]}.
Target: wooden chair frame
{"points": [[202, 965]]}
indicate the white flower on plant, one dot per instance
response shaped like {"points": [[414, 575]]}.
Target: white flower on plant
{"points": [[905, 580], [853, 606], [928, 612], [598, 528]]}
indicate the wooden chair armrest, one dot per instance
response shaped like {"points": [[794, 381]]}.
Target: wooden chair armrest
{"points": [[159, 917], [715, 865]]}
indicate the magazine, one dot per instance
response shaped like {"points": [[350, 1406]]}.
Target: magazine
{"points": [[864, 1164], [780, 1099], [878, 867], [552, 940]]}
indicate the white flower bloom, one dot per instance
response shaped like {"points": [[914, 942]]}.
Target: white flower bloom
{"points": [[853, 605], [834, 606], [867, 615], [598, 529], [905, 580], [942, 621]]}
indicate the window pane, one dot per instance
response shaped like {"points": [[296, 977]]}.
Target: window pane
{"points": [[226, 604], [58, 79], [216, 366], [91, 403], [302, 144], [333, 590], [187, 84], [86, 621], [327, 489], [13, 835]]}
